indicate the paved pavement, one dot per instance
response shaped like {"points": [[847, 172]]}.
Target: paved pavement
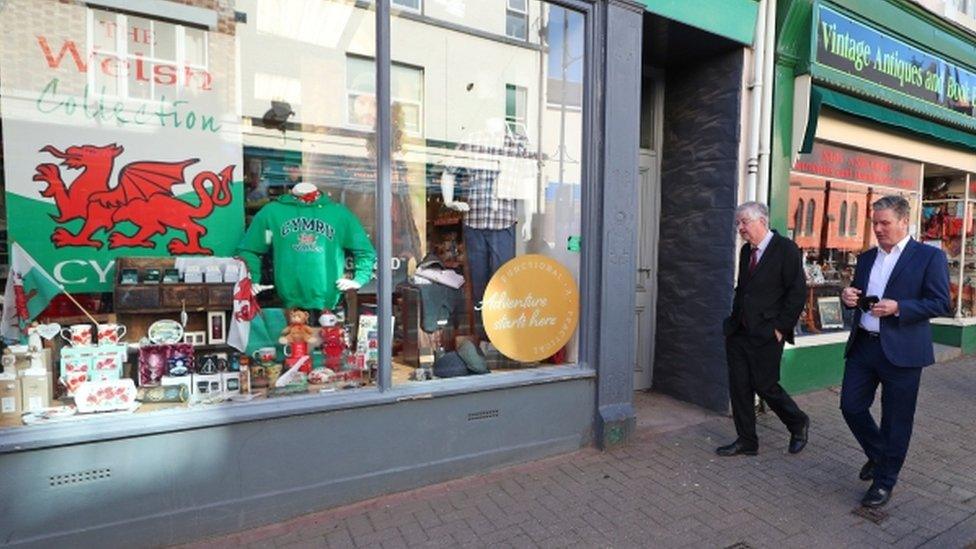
{"points": [[668, 489]]}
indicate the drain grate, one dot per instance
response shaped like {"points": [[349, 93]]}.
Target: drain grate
{"points": [[69, 479], [876, 516], [484, 414]]}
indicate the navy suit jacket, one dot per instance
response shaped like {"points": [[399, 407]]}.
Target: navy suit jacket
{"points": [[919, 283]]}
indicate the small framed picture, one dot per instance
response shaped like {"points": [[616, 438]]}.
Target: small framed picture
{"points": [[129, 276], [171, 276], [151, 276], [831, 315], [195, 338], [216, 327]]}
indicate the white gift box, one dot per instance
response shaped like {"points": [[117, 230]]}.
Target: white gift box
{"points": [[230, 382], [193, 274], [213, 275], [207, 384]]}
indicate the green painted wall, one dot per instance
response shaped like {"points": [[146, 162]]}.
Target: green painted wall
{"points": [[733, 19], [963, 337], [806, 369]]}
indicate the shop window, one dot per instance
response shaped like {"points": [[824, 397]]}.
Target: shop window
{"points": [[140, 58], [517, 19], [487, 199], [406, 87], [260, 121], [830, 204], [516, 111], [842, 220]]}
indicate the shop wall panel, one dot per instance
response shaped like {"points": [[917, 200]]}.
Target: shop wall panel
{"points": [[699, 188], [805, 369], [170, 488]]}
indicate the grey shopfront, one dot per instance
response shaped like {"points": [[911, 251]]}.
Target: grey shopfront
{"points": [[178, 475]]}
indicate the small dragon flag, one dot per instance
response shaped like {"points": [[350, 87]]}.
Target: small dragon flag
{"points": [[246, 308], [29, 290]]}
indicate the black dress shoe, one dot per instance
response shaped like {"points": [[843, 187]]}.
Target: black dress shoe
{"points": [[867, 471], [798, 440], [736, 449], [876, 497]]}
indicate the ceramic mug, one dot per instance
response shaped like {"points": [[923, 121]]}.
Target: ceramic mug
{"points": [[77, 334], [265, 355], [110, 334]]}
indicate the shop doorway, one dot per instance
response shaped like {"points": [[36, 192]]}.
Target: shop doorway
{"points": [[649, 210]]}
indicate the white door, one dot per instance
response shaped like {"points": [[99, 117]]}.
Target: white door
{"points": [[648, 216]]}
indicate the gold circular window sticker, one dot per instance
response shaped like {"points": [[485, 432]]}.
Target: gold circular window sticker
{"points": [[530, 308]]}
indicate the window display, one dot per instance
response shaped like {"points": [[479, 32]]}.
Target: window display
{"points": [[204, 200], [831, 192]]}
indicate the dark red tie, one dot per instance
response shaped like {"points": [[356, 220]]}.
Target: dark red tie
{"points": [[754, 260]]}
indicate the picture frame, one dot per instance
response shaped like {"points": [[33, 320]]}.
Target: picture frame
{"points": [[151, 276], [171, 276], [831, 313], [129, 276], [195, 338], [216, 327]]}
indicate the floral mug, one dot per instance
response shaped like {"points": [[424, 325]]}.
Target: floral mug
{"points": [[77, 335], [110, 334]]}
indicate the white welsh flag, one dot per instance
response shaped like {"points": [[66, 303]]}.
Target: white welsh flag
{"points": [[29, 290]]}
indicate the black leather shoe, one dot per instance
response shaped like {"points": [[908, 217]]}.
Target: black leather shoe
{"points": [[876, 497], [798, 440], [867, 471], [736, 449]]}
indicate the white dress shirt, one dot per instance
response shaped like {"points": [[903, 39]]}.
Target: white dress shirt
{"points": [[763, 244], [878, 280]]}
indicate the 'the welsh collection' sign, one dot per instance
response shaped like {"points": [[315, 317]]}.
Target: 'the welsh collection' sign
{"points": [[854, 48]]}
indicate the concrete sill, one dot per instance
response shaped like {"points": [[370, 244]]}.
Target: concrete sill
{"points": [[95, 429]]}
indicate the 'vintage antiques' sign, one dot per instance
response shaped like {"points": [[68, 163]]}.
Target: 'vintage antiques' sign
{"points": [[854, 48], [530, 308], [120, 138]]}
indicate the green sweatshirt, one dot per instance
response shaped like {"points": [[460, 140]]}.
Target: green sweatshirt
{"points": [[308, 243]]}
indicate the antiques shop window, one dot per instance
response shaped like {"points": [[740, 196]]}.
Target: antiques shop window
{"points": [[831, 192], [486, 202]]}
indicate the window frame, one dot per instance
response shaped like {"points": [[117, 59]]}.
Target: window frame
{"points": [[523, 14], [349, 92], [122, 53], [520, 122], [395, 4]]}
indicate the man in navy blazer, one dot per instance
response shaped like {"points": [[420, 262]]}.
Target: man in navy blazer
{"points": [[898, 286]]}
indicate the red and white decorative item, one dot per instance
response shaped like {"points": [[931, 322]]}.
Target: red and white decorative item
{"points": [[320, 377], [107, 365], [110, 334], [333, 335], [77, 335], [106, 396]]}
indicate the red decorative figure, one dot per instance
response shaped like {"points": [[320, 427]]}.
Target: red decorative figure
{"points": [[333, 340]]}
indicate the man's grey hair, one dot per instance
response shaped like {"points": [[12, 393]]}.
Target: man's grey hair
{"points": [[894, 203], [754, 210]]}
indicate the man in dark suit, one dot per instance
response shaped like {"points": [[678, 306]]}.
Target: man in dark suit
{"points": [[903, 284], [768, 299]]}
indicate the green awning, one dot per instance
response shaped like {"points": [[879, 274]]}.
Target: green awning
{"points": [[820, 97], [732, 19]]}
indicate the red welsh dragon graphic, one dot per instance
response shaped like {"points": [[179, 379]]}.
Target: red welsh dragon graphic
{"points": [[143, 196]]}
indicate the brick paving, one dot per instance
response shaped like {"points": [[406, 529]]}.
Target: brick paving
{"points": [[668, 489]]}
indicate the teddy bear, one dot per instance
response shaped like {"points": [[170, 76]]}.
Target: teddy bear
{"points": [[296, 337]]}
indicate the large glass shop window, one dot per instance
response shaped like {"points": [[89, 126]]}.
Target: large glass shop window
{"points": [[142, 157], [829, 217], [487, 150]]}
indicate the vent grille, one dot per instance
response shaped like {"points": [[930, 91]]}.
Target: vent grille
{"points": [[484, 414], [69, 479]]}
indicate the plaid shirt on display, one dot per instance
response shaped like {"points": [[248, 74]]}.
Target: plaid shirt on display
{"points": [[487, 210]]}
